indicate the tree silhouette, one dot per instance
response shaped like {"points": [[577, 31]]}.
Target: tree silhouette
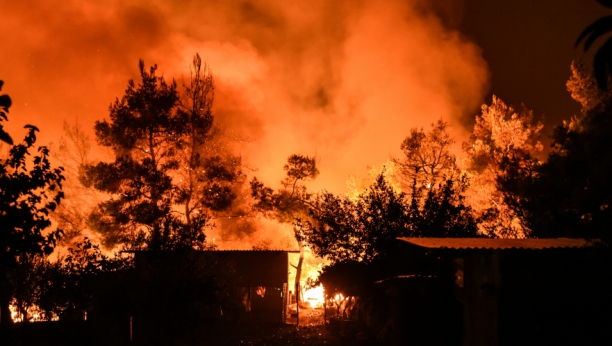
{"points": [[569, 195], [362, 230], [428, 155], [359, 237], [29, 191], [290, 203], [167, 153], [141, 132], [602, 62], [5, 104], [209, 173]]}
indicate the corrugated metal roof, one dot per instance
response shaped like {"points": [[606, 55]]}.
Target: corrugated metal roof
{"points": [[417, 276], [254, 250], [497, 244], [290, 251]]}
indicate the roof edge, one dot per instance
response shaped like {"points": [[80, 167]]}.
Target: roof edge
{"points": [[498, 244]]}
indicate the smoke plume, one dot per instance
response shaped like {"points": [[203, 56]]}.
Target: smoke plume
{"points": [[345, 80]]}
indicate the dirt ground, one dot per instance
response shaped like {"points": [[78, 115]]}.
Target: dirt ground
{"points": [[265, 334], [310, 331]]}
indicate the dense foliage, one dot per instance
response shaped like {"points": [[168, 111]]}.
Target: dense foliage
{"points": [[427, 156], [167, 155], [602, 62], [30, 189], [140, 133], [5, 104], [569, 195], [340, 229], [502, 137]]}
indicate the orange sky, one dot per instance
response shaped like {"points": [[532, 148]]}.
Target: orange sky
{"points": [[345, 80]]}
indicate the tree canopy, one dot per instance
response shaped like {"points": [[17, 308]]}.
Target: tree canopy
{"points": [[602, 62], [140, 132], [168, 154], [428, 157], [502, 136], [5, 104], [30, 189], [341, 229], [569, 194]]}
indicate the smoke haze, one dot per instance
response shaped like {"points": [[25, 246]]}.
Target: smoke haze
{"points": [[345, 80]]}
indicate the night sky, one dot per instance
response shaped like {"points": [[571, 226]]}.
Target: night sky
{"points": [[529, 46]]}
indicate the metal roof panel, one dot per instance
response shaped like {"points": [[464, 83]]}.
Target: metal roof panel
{"points": [[497, 244]]}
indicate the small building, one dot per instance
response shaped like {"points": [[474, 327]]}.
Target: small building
{"points": [[520, 291], [259, 276]]}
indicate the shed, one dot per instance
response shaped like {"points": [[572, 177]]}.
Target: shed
{"points": [[518, 291], [261, 275]]}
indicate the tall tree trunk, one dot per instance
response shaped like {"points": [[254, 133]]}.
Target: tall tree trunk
{"points": [[298, 273], [188, 210]]}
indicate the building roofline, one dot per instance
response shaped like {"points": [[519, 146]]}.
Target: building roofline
{"points": [[138, 251], [497, 244]]}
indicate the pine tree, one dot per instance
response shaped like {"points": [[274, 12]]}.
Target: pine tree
{"points": [[428, 157], [569, 195], [141, 132], [501, 136]]}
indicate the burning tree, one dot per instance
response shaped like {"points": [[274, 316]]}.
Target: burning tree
{"points": [[290, 203], [209, 174], [569, 194], [72, 152], [428, 157], [167, 153], [502, 137], [141, 133], [359, 237], [389, 170]]}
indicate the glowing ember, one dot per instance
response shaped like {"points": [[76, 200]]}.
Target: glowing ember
{"points": [[315, 296]]}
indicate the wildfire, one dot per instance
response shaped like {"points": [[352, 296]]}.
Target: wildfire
{"points": [[315, 296], [14, 313], [33, 313]]}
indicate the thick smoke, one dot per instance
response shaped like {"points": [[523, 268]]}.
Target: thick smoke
{"points": [[345, 80]]}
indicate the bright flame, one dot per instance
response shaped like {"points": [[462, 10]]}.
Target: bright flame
{"points": [[33, 311], [315, 296], [14, 313]]}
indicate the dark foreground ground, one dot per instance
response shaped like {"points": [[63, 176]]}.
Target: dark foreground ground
{"points": [[252, 333], [276, 334]]}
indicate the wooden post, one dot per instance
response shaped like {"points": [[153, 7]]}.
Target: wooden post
{"points": [[298, 277], [249, 301], [324, 309], [282, 305], [130, 328]]}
